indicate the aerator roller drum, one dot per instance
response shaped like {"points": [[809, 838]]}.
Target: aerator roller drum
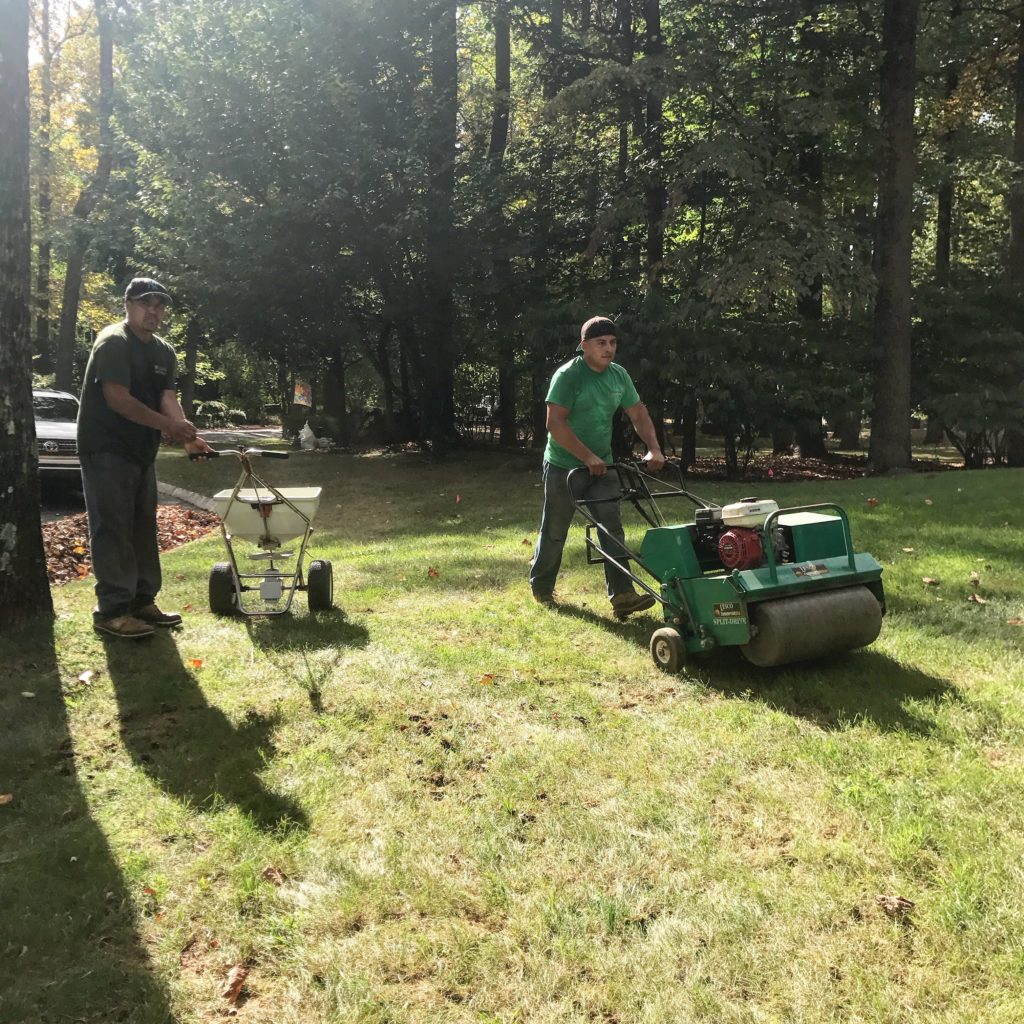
{"points": [[782, 584], [812, 625]]}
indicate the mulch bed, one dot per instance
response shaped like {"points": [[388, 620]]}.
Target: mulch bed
{"points": [[777, 468], [66, 542]]}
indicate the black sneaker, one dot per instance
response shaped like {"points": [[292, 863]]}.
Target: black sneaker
{"points": [[151, 614]]}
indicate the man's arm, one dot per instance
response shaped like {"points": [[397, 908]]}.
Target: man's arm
{"points": [[644, 426], [559, 429], [170, 420]]}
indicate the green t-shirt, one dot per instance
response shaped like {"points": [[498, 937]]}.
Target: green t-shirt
{"points": [[147, 369], [591, 399]]}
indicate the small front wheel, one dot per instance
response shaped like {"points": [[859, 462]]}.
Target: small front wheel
{"points": [[223, 596], [320, 585], [667, 649]]}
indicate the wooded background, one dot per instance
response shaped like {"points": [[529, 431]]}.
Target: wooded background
{"points": [[794, 209]]}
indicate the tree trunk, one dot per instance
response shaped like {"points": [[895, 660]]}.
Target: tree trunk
{"points": [[656, 195], [1015, 438], [43, 197], [24, 589], [87, 200], [187, 381], [947, 186], [890, 424], [437, 366], [504, 301]]}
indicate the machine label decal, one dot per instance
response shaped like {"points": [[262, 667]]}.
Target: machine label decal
{"points": [[729, 613], [810, 569]]}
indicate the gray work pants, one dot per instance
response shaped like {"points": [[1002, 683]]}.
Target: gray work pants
{"points": [[120, 498], [559, 509]]}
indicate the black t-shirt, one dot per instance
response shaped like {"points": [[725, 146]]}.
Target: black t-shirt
{"points": [[147, 369]]}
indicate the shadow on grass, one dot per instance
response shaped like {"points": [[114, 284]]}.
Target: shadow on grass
{"points": [[309, 632], [834, 693], [188, 747], [68, 943]]}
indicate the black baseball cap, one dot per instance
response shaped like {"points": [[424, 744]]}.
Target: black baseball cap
{"points": [[140, 287], [597, 327]]}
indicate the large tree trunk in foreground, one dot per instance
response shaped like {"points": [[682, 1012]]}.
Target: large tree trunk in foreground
{"points": [[890, 422], [24, 589], [86, 203]]}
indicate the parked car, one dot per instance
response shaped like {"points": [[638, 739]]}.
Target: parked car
{"points": [[55, 415]]}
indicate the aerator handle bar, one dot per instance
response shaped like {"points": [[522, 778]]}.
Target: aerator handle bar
{"points": [[769, 549]]}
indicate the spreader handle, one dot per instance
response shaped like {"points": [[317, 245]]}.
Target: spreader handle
{"points": [[213, 453], [266, 454]]}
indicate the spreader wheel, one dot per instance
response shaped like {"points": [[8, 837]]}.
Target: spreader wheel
{"points": [[320, 585], [223, 597], [667, 649]]}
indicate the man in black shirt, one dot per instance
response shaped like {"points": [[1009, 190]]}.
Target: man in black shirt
{"points": [[128, 400]]}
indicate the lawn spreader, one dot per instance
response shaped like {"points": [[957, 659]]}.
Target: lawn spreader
{"points": [[266, 518], [782, 584]]}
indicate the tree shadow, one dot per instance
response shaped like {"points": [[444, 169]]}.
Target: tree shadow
{"points": [[188, 747], [68, 940], [834, 693]]}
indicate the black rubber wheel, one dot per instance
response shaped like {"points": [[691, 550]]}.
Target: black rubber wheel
{"points": [[223, 597], [320, 585], [667, 649]]}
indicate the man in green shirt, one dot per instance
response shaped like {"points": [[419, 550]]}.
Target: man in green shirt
{"points": [[128, 400], [581, 401]]}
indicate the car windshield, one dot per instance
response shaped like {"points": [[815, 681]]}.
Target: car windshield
{"points": [[54, 407]]}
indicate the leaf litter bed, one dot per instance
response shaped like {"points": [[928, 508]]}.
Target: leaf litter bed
{"points": [[793, 468], [66, 542]]}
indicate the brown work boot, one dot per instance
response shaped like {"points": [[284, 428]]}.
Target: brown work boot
{"points": [[151, 614], [545, 599], [126, 626], [629, 601]]}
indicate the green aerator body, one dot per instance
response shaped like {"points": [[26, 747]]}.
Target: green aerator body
{"points": [[782, 584]]}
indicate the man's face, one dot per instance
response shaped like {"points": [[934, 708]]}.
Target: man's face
{"points": [[599, 352], [145, 315]]}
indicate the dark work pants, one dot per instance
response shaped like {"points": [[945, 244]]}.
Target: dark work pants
{"points": [[120, 498], [559, 509]]}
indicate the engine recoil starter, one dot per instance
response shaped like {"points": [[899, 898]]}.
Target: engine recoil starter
{"points": [[740, 548]]}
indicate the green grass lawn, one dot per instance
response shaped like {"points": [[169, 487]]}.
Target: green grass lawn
{"points": [[442, 802]]}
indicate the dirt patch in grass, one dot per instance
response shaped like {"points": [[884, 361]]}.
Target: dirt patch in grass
{"points": [[66, 542]]}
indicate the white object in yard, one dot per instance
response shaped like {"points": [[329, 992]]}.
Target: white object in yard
{"points": [[254, 515], [748, 513], [307, 439]]}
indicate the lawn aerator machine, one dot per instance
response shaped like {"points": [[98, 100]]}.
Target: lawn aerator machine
{"points": [[782, 584], [267, 518]]}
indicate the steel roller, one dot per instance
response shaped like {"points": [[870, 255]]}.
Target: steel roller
{"points": [[812, 625]]}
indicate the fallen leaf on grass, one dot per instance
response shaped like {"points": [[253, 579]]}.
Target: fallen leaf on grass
{"points": [[458, 498], [487, 679], [977, 599], [27, 693], [195, 662], [930, 581], [432, 572], [908, 551], [87, 677], [6, 798], [928, 501], [897, 907], [233, 986], [525, 540], [872, 502], [1015, 622], [275, 875], [975, 578]]}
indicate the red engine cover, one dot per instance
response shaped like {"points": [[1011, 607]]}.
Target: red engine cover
{"points": [[740, 548]]}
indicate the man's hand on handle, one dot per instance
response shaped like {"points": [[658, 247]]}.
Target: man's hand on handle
{"points": [[596, 466], [198, 449], [655, 461]]}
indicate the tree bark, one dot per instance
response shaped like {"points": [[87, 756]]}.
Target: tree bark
{"points": [[1015, 438], [43, 197], [656, 195], [502, 270], [24, 589], [86, 203], [947, 186], [890, 424], [437, 366]]}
